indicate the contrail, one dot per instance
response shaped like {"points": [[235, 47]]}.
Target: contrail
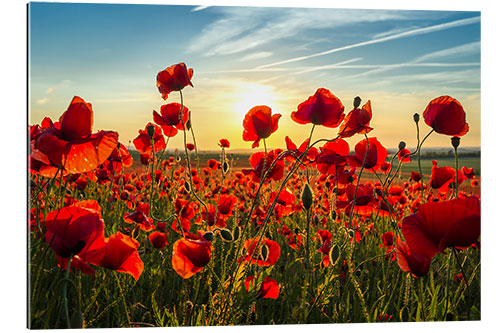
{"points": [[414, 32]]}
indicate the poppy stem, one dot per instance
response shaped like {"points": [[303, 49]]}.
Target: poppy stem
{"points": [[357, 183], [153, 177], [447, 286], [464, 278], [188, 162], [64, 293], [456, 176], [419, 147], [122, 296]]}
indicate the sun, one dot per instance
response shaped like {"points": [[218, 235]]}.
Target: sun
{"points": [[250, 95]]}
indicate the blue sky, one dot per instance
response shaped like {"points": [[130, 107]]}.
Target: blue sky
{"points": [[246, 56]]}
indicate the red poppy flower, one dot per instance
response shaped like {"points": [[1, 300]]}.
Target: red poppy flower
{"points": [[285, 205], [185, 211], [446, 116], [140, 219], [226, 204], [442, 177], [169, 118], [333, 154], [415, 176], [70, 142], [257, 162], [121, 255], [404, 156], [442, 224], [376, 155], [173, 78], [191, 254], [143, 142], [293, 152], [468, 172], [75, 231], [158, 239], [119, 158], [190, 146], [357, 121], [323, 108], [273, 251], [259, 124], [224, 143], [387, 239], [269, 288], [409, 261]]}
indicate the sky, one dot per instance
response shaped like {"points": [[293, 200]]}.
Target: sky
{"points": [[109, 54]]}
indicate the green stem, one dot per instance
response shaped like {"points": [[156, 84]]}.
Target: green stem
{"points": [[64, 293]]}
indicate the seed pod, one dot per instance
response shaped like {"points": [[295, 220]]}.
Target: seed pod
{"points": [[416, 117], [236, 233], [77, 320], [178, 158], [307, 197], [151, 130], [189, 306], [334, 214], [225, 167], [455, 142], [402, 145], [357, 102], [316, 220], [226, 235], [209, 236], [334, 254], [264, 252]]}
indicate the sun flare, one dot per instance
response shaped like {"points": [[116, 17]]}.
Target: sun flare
{"points": [[250, 95]]}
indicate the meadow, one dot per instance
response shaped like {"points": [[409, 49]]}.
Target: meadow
{"points": [[314, 232]]}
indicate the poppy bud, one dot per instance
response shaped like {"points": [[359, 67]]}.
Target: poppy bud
{"points": [[226, 235], [187, 187], [351, 233], [455, 142], [402, 145], [178, 158], [188, 124], [151, 130], [328, 184], [307, 197], [209, 236], [296, 231], [334, 254], [189, 306], [236, 233], [316, 220], [118, 145], [357, 101], [379, 192], [225, 167], [334, 190], [264, 252], [77, 320], [416, 117]]}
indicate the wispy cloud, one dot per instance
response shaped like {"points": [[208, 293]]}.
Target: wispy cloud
{"points": [[257, 55], [42, 101], [465, 49], [198, 8], [244, 28], [405, 34]]}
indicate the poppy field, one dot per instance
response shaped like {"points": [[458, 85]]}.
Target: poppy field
{"points": [[316, 231]]}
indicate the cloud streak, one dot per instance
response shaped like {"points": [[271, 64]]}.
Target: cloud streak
{"points": [[410, 33], [241, 29]]}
